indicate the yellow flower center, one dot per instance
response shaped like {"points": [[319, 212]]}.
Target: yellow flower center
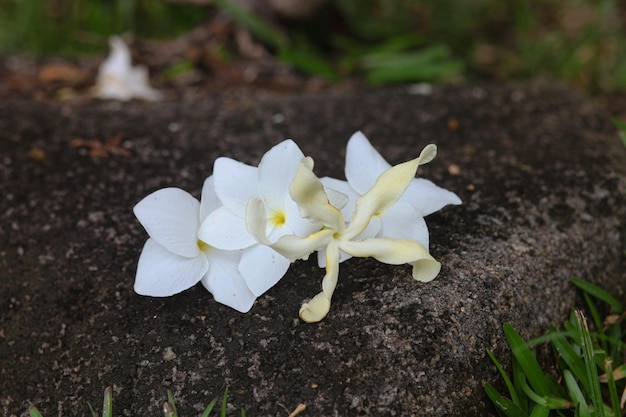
{"points": [[278, 218], [204, 247]]}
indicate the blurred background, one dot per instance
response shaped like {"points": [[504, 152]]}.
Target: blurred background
{"points": [[184, 42]]}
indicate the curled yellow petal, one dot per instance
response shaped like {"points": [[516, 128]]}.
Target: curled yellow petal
{"points": [[308, 192], [427, 269], [389, 251], [296, 247], [316, 309], [387, 190], [319, 306]]}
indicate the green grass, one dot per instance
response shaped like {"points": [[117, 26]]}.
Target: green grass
{"points": [[169, 407], [580, 42], [589, 376], [71, 27]]}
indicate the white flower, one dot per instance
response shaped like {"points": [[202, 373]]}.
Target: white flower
{"points": [[225, 228], [308, 192], [174, 259], [402, 220], [119, 80]]}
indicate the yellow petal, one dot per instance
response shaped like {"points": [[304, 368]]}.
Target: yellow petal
{"points": [[389, 251], [296, 247], [425, 270], [319, 306], [387, 190], [308, 192]]}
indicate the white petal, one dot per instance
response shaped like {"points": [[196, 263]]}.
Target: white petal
{"points": [[224, 230], [171, 217], [208, 201], [363, 163], [344, 189], [389, 187], [403, 221], [161, 273], [235, 183], [276, 171], [225, 282], [428, 197], [262, 268]]}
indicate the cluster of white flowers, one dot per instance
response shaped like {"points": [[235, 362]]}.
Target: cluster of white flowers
{"points": [[251, 223]]}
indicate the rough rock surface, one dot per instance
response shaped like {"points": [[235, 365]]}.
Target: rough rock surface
{"points": [[541, 172]]}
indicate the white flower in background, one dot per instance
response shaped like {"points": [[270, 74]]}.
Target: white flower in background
{"points": [[174, 259], [225, 228], [119, 80], [336, 237]]}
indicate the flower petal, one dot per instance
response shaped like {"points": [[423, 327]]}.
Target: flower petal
{"points": [[208, 201], [363, 163], [427, 197], [425, 270], [403, 221], [276, 171], [235, 183], [225, 281], [171, 218], [370, 231], [262, 267], [308, 193], [294, 223], [389, 251], [160, 273], [388, 188], [318, 307], [295, 247], [335, 188], [224, 230]]}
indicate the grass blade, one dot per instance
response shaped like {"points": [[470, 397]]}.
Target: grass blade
{"points": [[608, 367], [540, 411], [569, 355], [224, 403], [505, 377], [169, 408], [598, 292], [254, 24], [209, 408], [34, 412], [107, 403], [590, 364], [503, 404], [576, 394], [527, 361]]}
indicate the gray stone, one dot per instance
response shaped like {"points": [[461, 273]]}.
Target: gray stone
{"points": [[541, 172]]}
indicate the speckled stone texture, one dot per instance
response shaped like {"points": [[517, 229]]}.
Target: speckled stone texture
{"points": [[541, 172]]}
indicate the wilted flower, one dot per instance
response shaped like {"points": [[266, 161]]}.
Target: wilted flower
{"points": [[119, 80]]}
